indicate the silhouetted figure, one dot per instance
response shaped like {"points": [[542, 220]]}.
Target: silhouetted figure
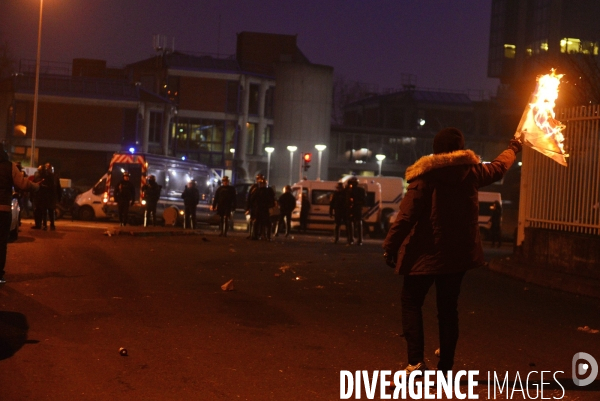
{"points": [[496, 220], [191, 198]]}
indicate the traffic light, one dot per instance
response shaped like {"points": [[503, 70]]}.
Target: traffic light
{"points": [[306, 158]]}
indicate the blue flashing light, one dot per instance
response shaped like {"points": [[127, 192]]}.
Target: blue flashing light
{"points": [[132, 150]]}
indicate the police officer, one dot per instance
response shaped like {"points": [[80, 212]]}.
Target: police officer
{"points": [[355, 198], [151, 194], [124, 195], [249, 210], [287, 204], [224, 203], [191, 198], [337, 209], [262, 199], [50, 192]]}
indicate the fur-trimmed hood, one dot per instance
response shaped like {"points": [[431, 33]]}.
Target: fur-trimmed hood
{"points": [[432, 162]]}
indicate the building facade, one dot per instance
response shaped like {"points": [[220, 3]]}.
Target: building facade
{"points": [[529, 37], [218, 111]]}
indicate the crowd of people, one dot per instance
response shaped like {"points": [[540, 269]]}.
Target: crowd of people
{"points": [[43, 201], [434, 239]]}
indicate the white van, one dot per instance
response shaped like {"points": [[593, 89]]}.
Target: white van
{"points": [[319, 195], [171, 174], [88, 204], [486, 206], [392, 192]]}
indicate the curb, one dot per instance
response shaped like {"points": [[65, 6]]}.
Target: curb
{"points": [[153, 233], [545, 277]]}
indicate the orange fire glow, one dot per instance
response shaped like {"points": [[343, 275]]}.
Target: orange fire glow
{"points": [[539, 128]]}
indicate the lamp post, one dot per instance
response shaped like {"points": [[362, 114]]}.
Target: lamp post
{"points": [[292, 149], [233, 165], [320, 149], [37, 88], [269, 150], [380, 159]]}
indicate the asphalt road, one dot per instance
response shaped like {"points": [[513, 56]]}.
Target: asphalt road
{"points": [[302, 309]]}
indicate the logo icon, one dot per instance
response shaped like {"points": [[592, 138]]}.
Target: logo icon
{"points": [[581, 369]]}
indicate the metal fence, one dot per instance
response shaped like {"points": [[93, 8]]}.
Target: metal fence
{"points": [[564, 198]]}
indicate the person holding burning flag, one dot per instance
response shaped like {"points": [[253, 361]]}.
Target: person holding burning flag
{"points": [[435, 238]]}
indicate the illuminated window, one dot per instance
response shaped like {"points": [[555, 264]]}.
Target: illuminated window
{"points": [[509, 51], [589, 48], [570, 45], [537, 47], [573, 45]]}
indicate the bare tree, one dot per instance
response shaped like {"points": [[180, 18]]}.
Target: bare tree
{"points": [[346, 92]]}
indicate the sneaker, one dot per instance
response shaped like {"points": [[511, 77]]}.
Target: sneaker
{"points": [[2, 281], [418, 367]]}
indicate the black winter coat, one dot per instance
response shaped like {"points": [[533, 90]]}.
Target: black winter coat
{"points": [[437, 228], [151, 191], [287, 203], [225, 200], [337, 206], [124, 192], [191, 196]]}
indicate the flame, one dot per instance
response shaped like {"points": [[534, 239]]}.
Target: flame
{"points": [[542, 107], [539, 128]]}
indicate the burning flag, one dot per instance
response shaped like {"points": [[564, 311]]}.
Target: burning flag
{"points": [[538, 127]]}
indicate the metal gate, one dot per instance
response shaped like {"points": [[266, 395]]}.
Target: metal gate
{"points": [[564, 198]]}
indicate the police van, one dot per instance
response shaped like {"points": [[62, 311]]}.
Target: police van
{"points": [[486, 208], [88, 205], [171, 174], [319, 195], [392, 192]]}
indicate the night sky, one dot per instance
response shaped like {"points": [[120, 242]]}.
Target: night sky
{"points": [[444, 43]]}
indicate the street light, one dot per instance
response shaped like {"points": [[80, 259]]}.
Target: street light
{"points": [[37, 87], [292, 149], [380, 158], [320, 149], [269, 150]]}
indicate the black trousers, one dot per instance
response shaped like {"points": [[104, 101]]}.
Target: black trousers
{"points": [[189, 217], [414, 290], [123, 212], [339, 220], [224, 223], [288, 223], [150, 213]]}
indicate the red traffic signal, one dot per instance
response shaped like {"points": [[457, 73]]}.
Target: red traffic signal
{"points": [[306, 158]]}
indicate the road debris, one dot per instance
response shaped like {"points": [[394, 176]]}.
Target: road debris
{"points": [[228, 286], [587, 329]]}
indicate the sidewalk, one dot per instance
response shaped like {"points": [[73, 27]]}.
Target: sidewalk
{"points": [[543, 276]]}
